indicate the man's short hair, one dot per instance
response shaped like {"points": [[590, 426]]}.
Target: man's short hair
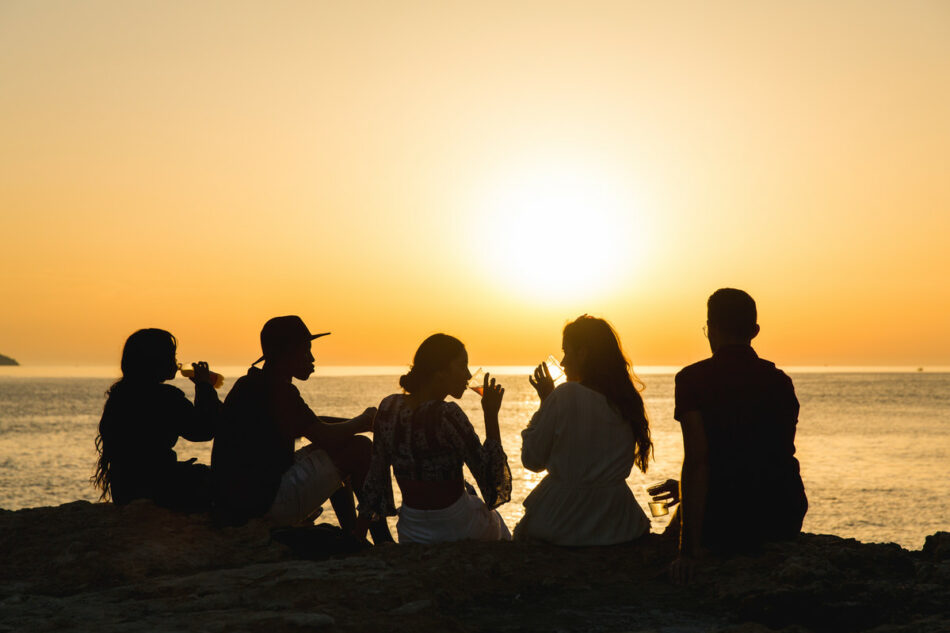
{"points": [[732, 312]]}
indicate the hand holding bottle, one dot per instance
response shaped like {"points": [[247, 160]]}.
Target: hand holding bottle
{"points": [[199, 372]]}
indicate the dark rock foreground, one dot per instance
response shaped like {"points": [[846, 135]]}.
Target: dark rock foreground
{"points": [[95, 567]]}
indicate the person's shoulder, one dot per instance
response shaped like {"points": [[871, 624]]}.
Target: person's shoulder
{"points": [[770, 368], [451, 408], [570, 395], [391, 401], [570, 387], [696, 369], [254, 387], [571, 390], [254, 375], [245, 382], [452, 411], [390, 408], [781, 378]]}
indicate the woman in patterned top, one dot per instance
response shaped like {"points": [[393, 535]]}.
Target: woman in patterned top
{"points": [[426, 440]]}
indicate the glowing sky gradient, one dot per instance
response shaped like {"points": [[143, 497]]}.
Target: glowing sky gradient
{"points": [[492, 170]]}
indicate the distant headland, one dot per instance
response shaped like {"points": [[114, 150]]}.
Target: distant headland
{"points": [[6, 360]]}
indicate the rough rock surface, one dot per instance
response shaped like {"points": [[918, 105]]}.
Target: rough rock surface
{"points": [[95, 567]]}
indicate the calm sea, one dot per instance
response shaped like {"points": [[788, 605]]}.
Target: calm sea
{"points": [[873, 445]]}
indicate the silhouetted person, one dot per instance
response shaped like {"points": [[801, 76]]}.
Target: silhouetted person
{"points": [[142, 421], [256, 471], [741, 484], [588, 434], [425, 441]]}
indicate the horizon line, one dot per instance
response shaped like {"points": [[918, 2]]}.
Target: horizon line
{"points": [[232, 371]]}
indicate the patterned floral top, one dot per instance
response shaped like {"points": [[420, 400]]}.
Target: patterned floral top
{"points": [[430, 443]]}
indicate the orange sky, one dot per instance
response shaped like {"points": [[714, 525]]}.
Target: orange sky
{"points": [[391, 169]]}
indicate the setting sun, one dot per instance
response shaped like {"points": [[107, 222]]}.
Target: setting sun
{"points": [[563, 231]]}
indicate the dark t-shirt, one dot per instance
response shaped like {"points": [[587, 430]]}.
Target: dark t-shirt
{"points": [[254, 445], [141, 423], [749, 413]]}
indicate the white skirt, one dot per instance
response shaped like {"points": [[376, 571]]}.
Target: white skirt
{"points": [[467, 518]]}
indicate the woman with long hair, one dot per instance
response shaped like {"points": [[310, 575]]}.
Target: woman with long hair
{"points": [[142, 421], [588, 434], [425, 441]]}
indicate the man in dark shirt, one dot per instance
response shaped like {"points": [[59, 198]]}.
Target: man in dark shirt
{"points": [[741, 484], [255, 469]]}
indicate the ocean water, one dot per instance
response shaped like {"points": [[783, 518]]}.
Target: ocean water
{"points": [[873, 446]]}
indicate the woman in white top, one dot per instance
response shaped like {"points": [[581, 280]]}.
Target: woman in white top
{"points": [[588, 434]]}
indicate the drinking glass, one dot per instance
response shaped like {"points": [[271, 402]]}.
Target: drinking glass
{"points": [[556, 371], [477, 382], [660, 497]]}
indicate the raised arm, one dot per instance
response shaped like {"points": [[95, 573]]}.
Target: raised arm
{"points": [[200, 422], [492, 395], [487, 462], [538, 438]]}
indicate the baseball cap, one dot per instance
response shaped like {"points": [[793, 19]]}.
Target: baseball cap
{"points": [[284, 333]]}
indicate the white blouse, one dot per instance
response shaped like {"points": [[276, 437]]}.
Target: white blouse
{"points": [[587, 449]]}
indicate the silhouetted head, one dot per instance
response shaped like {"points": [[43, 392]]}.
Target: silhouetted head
{"points": [[149, 356], [285, 343], [730, 318], [593, 357], [441, 362], [591, 347]]}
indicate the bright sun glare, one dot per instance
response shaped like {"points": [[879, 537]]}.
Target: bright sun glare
{"points": [[561, 232]]}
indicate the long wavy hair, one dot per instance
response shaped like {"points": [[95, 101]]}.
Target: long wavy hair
{"points": [[434, 354], [147, 358], [606, 370]]}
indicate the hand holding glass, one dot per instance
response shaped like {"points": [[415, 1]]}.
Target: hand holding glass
{"points": [[664, 494]]}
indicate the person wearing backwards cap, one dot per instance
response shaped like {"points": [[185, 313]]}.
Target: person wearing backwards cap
{"points": [[255, 470]]}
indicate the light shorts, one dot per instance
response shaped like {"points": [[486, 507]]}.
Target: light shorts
{"points": [[305, 486], [467, 518]]}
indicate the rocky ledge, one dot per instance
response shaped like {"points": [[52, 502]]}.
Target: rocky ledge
{"points": [[95, 567]]}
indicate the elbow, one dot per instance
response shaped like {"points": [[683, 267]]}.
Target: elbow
{"points": [[532, 464]]}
